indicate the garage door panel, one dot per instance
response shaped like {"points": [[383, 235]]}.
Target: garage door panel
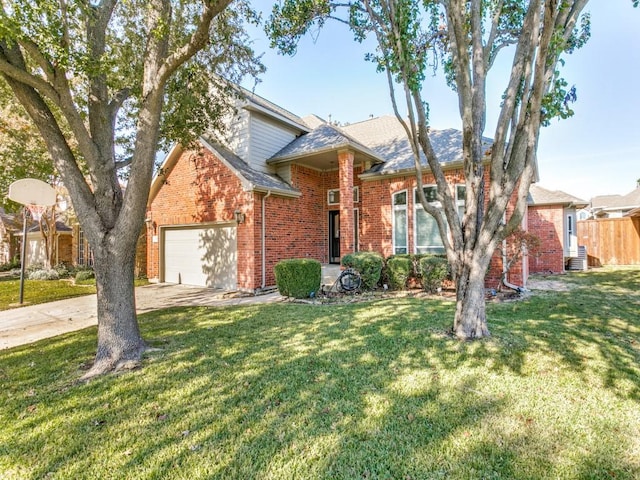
{"points": [[201, 256]]}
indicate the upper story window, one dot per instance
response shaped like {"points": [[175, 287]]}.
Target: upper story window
{"points": [[333, 196], [399, 201]]}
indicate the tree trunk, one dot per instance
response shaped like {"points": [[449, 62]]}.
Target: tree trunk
{"points": [[120, 345], [470, 321]]}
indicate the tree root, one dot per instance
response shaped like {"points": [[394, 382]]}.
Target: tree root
{"points": [[108, 365]]}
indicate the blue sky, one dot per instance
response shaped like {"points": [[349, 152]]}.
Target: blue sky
{"points": [[595, 152]]}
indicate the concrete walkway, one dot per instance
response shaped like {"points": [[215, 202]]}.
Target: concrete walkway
{"points": [[23, 325]]}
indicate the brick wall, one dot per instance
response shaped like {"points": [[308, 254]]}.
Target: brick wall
{"points": [[295, 227], [546, 222], [377, 219], [200, 189], [65, 249]]}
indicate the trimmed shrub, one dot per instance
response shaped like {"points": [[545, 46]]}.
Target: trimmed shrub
{"points": [[368, 265], [399, 269], [298, 277], [84, 275], [43, 274], [433, 271]]}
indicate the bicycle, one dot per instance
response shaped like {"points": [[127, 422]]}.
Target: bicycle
{"points": [[349, 281]]}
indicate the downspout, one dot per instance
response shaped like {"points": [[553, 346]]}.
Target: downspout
{"points": [[264, 235]]}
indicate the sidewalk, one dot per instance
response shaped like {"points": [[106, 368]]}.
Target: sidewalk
{"points": [[23, 325]]}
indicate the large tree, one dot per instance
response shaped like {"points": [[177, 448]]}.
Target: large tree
{"points": [[465, 38], [119, 76]]}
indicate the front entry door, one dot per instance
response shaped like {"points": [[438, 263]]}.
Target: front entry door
{"points": [[334, 236]]}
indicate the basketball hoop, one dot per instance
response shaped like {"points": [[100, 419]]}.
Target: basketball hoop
{"points": [[35, 195], [36, 211]]}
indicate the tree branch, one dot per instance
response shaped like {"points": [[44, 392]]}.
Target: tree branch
{"points": [[198, 39]]}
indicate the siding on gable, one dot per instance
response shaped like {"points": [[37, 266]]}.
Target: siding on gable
{"points": [[238, 137], [267, 138]]}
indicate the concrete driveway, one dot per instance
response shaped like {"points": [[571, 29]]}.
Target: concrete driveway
{"points": [[23, 325]]}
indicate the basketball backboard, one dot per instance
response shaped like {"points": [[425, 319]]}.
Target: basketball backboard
{"points": [[31, 191]]}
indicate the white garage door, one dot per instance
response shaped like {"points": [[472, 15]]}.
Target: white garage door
{"points": [[201, 256]]}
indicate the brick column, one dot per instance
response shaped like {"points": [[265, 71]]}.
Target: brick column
{"points": [[345, 172]]}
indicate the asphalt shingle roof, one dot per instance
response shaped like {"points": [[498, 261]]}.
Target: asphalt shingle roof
{"points": [[542, 196], [272, 107], [256, 178], [323, 138], [631, 199], [386, 136]]}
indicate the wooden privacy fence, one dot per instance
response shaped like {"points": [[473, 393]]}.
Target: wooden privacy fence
{"points": [[611, 241]]}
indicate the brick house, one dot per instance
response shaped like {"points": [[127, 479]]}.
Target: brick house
{"points": [[283, 187], [11, 241], [10, 228], [552, 216]]}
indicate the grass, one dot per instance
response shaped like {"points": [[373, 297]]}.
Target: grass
{"points": [[44, 291], [39, 291], [373, 390]]}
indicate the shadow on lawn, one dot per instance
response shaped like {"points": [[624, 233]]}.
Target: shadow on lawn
{"points": [[366, 391], [593, 329]]}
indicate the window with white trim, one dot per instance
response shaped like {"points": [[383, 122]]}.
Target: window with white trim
{"points": [[461, 196], [427, 237], [399, 201], [333, 196]]}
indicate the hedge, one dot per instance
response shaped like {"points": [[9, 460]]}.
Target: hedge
{"points": [[298, 277], [399, 269], [368, 265], [433, 271]]}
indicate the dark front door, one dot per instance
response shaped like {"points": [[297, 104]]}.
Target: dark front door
{"points": [[334, 236]]}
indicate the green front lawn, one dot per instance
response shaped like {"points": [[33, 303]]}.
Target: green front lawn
{"points": [[44, 291], [360, 391], [39, 291]]}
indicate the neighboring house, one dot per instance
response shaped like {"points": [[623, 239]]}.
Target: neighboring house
{"points": [[10, 226], [82, 254], [552, 217], [288, 187], [615, 206], [11, 241], [36, 251]]}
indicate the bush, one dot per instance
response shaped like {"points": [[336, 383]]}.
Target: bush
{"points": [[433, 271], [368, 265], [298, 277], [83, 275], [13, 264], [62, 269], [43, 274], [399, 269]]}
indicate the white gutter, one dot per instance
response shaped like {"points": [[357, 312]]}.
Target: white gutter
{"points": [[264, 235]]}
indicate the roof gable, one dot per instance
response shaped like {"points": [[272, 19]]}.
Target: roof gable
{"points": [[542, 196], [323, 138], [252, 180]]}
